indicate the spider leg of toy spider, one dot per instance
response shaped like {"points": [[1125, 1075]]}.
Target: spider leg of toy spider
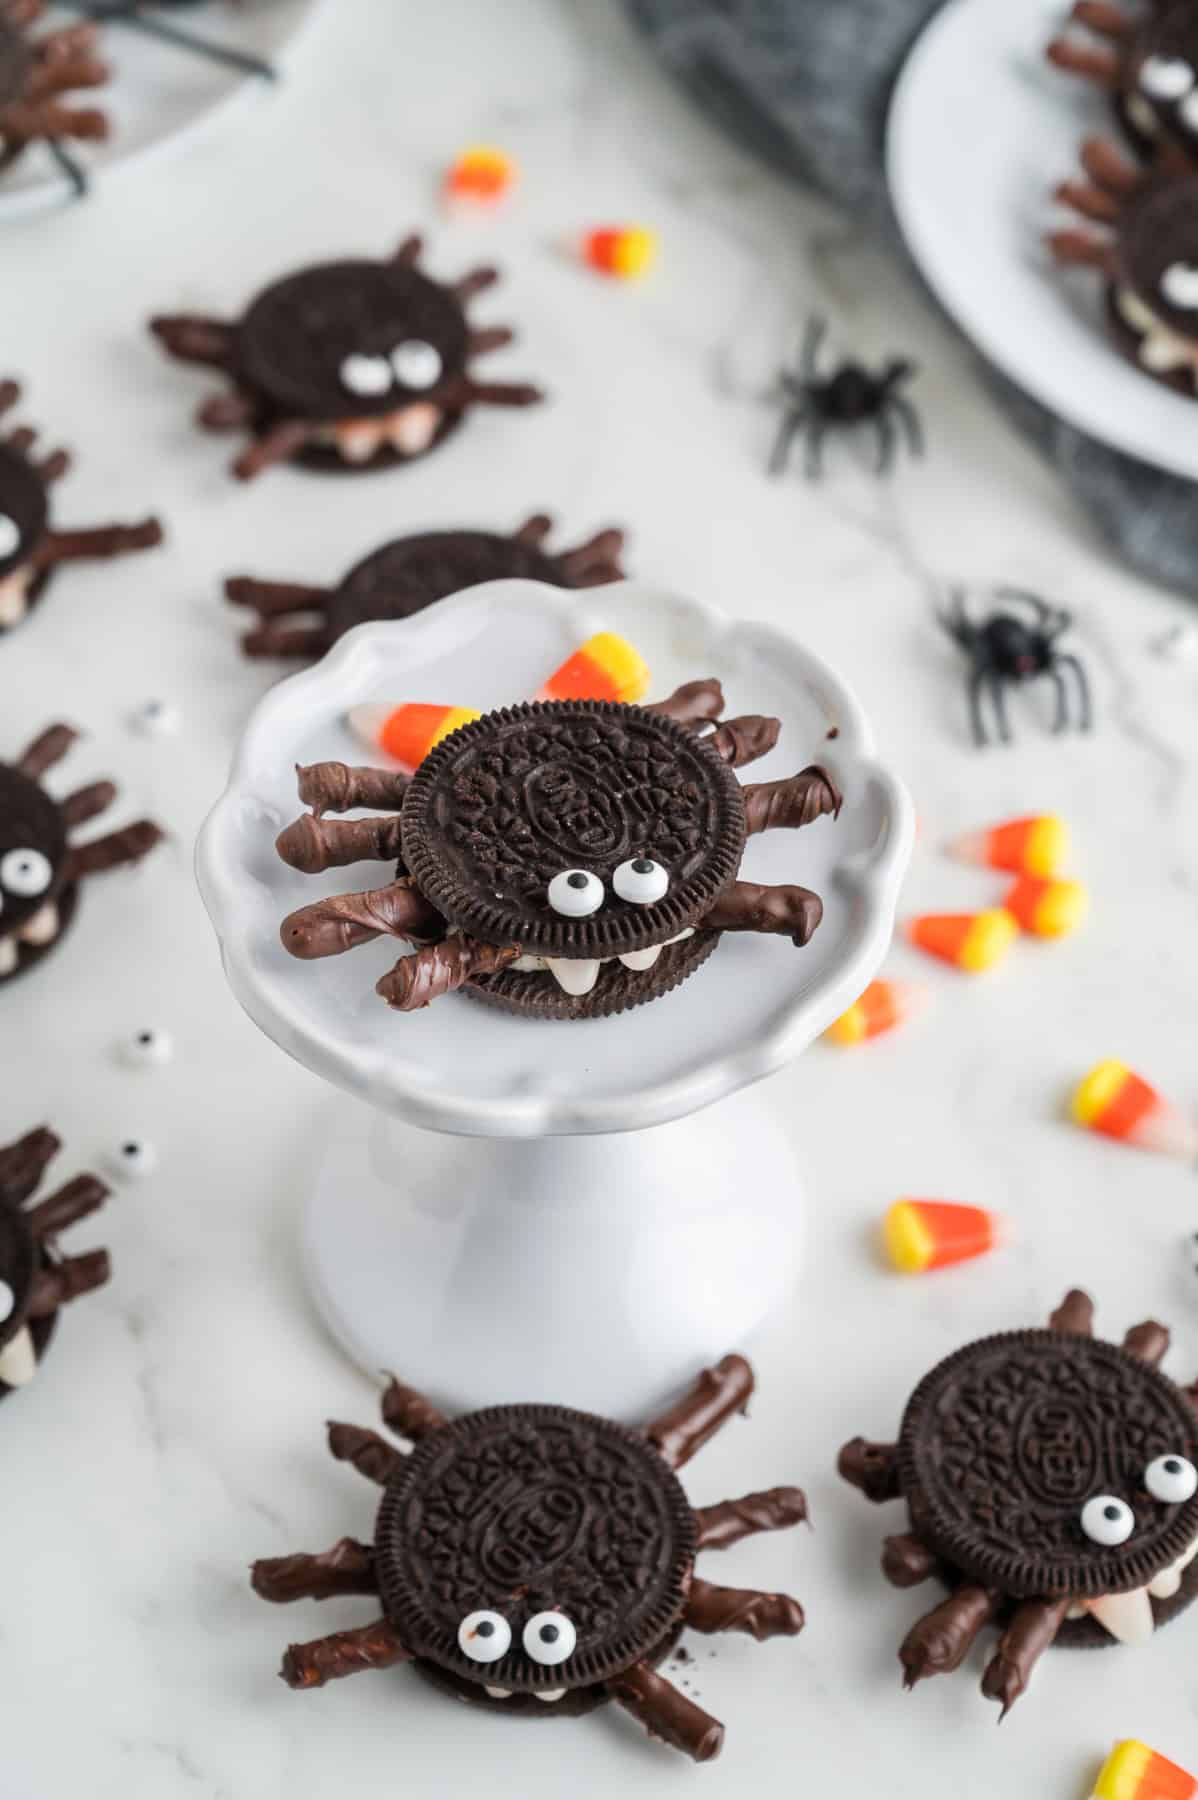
{"points": [[983, 681], [813, 336], [813, 448], [902, 409], [128, 12], [884, 433], [1069, 661], [792, 424]]}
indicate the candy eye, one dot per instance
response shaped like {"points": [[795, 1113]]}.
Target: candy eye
{"points": [[367, 376], [1179, 285], [156, 718], [1107, 1520], [576, 893], [10, 535], [1187, 112], [147, 1048], [549, 1638], [1171, 1480], [484, 1636], [416, 364], [8, 1301], [1166, 77], [641, 881], [25, 873], [133, 1157]]}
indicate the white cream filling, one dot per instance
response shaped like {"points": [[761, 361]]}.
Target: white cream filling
{"points": [[577, 975], [410, 430], [14, 595], [41, 929], [1142, 115], [18, 1360], [1128, 1617], [1161, 348], [548, 1695]]}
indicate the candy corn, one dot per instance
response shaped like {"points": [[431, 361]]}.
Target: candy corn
{"points": [[1036, 846], [1117, 1102], [624, 251], [407, 732], [481, 175], [970, 941], [931, 1234], [882, 1006], [606, 667], [1134, 1772], [1047, 908]]}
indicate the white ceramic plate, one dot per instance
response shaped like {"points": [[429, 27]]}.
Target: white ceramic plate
{"points": [[981, 130], [461, 1067], [158, 92]]}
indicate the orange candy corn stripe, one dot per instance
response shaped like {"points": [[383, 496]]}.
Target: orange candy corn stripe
{"points": [[1047, 908], [1032, 846], [882, 1006], [1114, 1100], [606, 667], [481, 173], [1134, 1772], [933, 1234], [624, 251], [970, 941], [410, 731]]}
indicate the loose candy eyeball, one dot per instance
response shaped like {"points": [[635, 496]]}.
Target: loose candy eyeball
{"points": [[148, 1048], [132, 1158], [156, 718]]}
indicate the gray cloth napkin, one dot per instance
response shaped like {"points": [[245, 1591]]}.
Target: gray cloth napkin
{"points": [[806, 85]]}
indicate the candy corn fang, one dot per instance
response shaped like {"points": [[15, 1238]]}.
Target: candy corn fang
{"points": [[1034, 846], [481, 174], [970, 941], [1047, 908], [606, 667], [932, 1234], [623, 251], [1134, 1772], [1114, 1100], [882, 1006], [407, 732]]}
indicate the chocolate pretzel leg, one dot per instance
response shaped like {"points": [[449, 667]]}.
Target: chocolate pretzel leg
{"points": [[193, 339], [22, 439], [744, 740], [488, 338], [1075, 1313], [88, 802], [344, 1653], [694, 703], [940, 1641], [1090, 201], [1107, 20], [50, 118], [1148, 1342], [128, 845], [99, 541], [10, 393], [276, 445], [709, 1403], [501, 393], [596, 561], [48, 748], [55, 466], [783, 910], [338, 787], [907, 1561], [67, 1205], [790, 804], [441, 969], [343, 921], [1032, 1630], [312, 845], [270, 598], [1109, 169], [1078, 249], [667, 1714], [534, 530], [370, 1454], [1099, 65], [474, 282], [409, 1414], [23, 1164], [232, 411], [710, 1608], [871, 1468], [67, 1280], [729, 1521], [348, 1568]]}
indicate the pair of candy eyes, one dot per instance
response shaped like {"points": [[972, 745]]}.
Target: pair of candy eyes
{"points": [[486, 1637], [1109, 1521], [413, 364], [25, 873], [577, 893]]}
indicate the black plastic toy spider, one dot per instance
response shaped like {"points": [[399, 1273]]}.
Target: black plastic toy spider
{"points": [[1005, 649], [850, 396]]}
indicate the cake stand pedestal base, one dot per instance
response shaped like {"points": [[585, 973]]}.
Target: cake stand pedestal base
{"points": [[606, 1269]]}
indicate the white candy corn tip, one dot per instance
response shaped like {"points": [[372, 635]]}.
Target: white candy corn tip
{"points": [[367, 721], [1169, 1132], [971, 847]]}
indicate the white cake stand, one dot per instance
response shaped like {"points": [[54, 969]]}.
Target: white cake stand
{"points": [[554, 1211]]}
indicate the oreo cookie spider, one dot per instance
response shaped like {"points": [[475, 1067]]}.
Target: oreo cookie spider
{"points": [[1147, 64], [540, 1561], [349, 365], [1006, 649], [561, 860], [40, 868], [1051, 1481], [1141, 237], [410, 573], [35, 1281], [815, 404], [37, 76], [30, 550]]}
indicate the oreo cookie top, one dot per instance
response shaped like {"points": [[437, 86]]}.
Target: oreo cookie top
{"points": [[352, 339], [33, 844], [410, 573], [573, 828], [556, 1546], [1156, 252], [24, 509], [18, 1266], [1027, 1460], [16, 63]]}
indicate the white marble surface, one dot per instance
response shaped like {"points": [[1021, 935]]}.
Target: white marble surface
{"points": [[177, 1431]]}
